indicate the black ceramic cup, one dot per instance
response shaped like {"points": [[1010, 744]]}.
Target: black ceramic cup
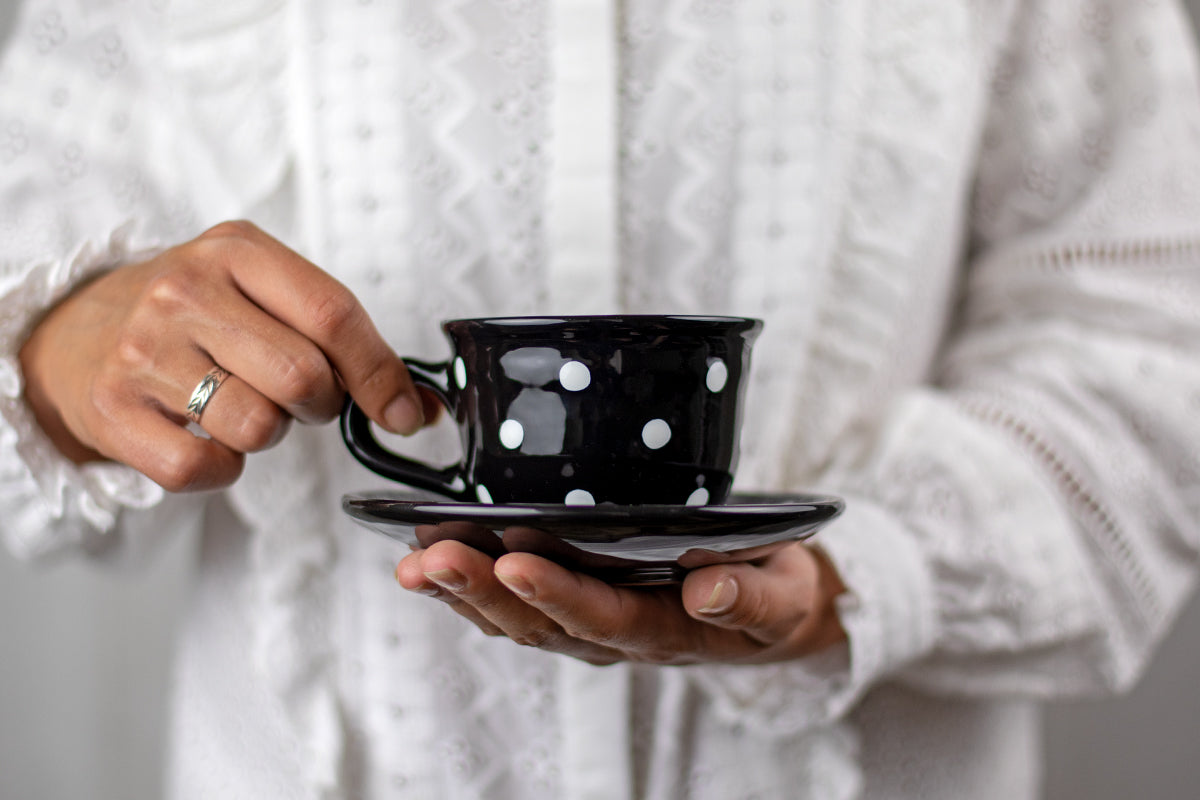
{"points": [[630, 410]]}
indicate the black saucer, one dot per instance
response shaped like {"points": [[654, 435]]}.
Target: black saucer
{"points": [[628, 545]]}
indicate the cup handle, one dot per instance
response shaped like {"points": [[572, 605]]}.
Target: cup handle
{"points": [[356, 431]]}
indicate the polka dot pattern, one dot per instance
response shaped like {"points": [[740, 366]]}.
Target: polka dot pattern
{"points": [[530, 412], [512, 433], [579, 497], [628, 419], [574, 376], [718, 375], [656, 433]]}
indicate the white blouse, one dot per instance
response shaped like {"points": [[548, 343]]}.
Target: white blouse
{"points": [[973, 230]]}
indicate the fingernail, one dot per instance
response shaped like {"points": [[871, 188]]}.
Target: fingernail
{"points": [[404, 415], [722, 598], [450, 579], [424, 589], [517, 585]]}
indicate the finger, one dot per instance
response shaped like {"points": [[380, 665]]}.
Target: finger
{"points": [[469, 575], [410, 576], [277, 361], [187, 307], [775, 602], [171, 456], [304, 297], [469, 533], [236, 414], [643, 624], [164, 354]]}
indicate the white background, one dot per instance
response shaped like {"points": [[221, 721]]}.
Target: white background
{"points": [[85, 659]]}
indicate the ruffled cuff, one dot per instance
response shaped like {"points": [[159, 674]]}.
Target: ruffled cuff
{"points": [[49, 503], [889, 614]]}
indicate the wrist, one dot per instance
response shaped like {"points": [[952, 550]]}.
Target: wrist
{"points": [[45, 412], [827, 629]]}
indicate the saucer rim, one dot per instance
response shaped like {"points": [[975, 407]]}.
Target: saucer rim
{"points": [[783, 502], [618, 532], [806, 510]]}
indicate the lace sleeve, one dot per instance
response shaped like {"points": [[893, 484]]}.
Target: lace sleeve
{"points": [[1051, 476], [1031, 519], [50, 503], [1078, 350], [91, 180]]}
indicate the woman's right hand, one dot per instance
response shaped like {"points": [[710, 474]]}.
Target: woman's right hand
{"points": [[110, 370]]}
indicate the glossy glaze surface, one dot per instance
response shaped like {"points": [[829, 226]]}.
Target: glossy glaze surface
{"points": [[645, 544], [584, 410]]}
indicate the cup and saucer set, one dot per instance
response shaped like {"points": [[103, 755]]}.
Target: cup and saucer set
{"points": [[604, 443]]}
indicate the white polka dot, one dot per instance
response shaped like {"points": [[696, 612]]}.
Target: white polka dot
{"points": [[483, 494], [460, 372], [511, 434], [656, 433], [574, 376], [579, 497], [718, 373], [698, 497]]}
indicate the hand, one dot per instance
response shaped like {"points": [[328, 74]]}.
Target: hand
{"points": [[110, 370], [778, 608]]}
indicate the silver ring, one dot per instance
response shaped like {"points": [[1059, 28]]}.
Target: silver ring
{"points": [[204, 392]]}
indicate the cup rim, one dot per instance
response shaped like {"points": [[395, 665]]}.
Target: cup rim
{"points": [[708, 322]]}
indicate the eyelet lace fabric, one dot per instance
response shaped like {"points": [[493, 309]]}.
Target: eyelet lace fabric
{"points": [[971, 230], [79, 501]]}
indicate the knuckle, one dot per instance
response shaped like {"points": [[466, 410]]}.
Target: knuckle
{"points": [[180, 468], [221, 246], [584, 633], [375, 382], [260, 426], [303, 379], [171, 291], [331, 312], [534, 637], [135, 349], [232, 229]]}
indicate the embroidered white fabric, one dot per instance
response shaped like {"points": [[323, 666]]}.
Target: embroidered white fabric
{"points": [[973, 231]]}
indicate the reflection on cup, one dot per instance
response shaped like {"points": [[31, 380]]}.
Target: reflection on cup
{"points": [[630, 410]]}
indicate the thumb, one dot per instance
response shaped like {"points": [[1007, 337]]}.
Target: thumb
{"points": [[788, 597]]}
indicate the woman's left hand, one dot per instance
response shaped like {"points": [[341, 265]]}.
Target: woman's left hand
{"points": [[777, 608]]}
